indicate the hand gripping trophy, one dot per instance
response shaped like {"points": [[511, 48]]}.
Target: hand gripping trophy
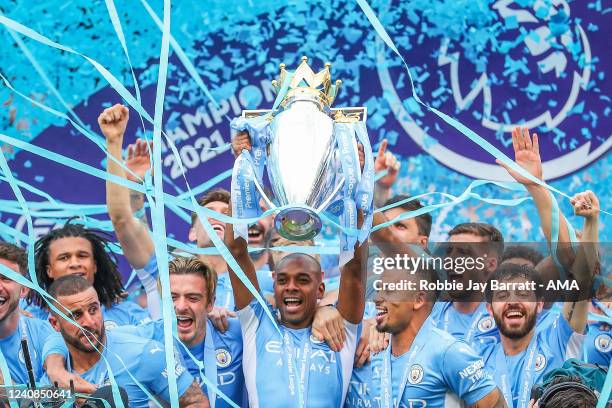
{"points": [[310, 152]]}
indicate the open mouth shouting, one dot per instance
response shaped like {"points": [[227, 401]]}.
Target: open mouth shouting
{"points": [[514, 316], [219, 229], [184, 323], [3, 300], [292, 304], [256, 234]]}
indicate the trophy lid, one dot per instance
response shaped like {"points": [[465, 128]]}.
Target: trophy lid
{"points": [[305, 85]]}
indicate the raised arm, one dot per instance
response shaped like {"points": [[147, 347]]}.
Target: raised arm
{"points": [[586, 205], [238, 249], [351, 294], [132, 234], [385, 160], [527, 155]]}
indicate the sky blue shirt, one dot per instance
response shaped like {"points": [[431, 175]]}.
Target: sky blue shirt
{"points": [[431, 374], [470, 327], [226, 352], [145, 360], [43, 341], [598, 344], [325, 375], [548, 350]]}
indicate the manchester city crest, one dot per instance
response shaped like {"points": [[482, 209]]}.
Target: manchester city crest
{"points": [[485, 324], [540, 362], [224, 358], [603, 343], [416, 374]]}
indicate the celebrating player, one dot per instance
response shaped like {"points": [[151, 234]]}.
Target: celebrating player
{"points": [[44, 344], [134, 362], [306, 372], [206, 350], [423, 366], [76, 250], [525, 354]]}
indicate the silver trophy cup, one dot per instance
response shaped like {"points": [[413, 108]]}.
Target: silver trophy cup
{"points": [[302, 157]]}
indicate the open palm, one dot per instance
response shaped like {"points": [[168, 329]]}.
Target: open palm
{"points": [[526, 155], [138, 159]]}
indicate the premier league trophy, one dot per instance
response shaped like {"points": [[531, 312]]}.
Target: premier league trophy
{"points": [[311, 152]]}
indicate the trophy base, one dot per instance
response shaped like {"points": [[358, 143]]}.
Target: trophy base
{"points": [[297, 224]]}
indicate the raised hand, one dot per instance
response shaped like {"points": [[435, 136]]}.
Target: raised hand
{"points": [[113, 122], [586, 204], [241, 141], [138, 159], [386, 161], [526, 155]]}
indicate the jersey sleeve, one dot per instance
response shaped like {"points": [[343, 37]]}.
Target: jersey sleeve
{"points": [[562, 340], [138, 315], [154, 373], [49, 341], [465, 374]]}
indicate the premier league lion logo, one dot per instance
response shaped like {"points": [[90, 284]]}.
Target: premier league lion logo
{"points": [[416, 374], [534, 71]]}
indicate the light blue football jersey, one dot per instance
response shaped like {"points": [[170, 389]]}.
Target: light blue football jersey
{"points": [[225, 352], [548, 349], [143, 359], [277, 367], [433, 373], [43, 341], [470, 327]]}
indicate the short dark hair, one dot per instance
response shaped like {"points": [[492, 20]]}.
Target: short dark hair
{"points": [[509, 271], [68, 285], [216, 194], [523, 252], [12, 253], [493, 235], [194, 266], [298, 255], [107, 280], [569, 391], [423, 221]]}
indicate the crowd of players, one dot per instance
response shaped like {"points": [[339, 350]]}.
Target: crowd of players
{"points": [[325, 338]]}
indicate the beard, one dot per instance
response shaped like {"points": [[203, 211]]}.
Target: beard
{"points": [[519, 332], [11, 306], [76, 342]]}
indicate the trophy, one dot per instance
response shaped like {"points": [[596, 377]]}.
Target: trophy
{"points": [[310, 152]]}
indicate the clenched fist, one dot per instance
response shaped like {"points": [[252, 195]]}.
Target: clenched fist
{"points": [[113, 122]]}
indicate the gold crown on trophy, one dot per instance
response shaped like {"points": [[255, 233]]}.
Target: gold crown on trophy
{"points": [[306, 85]]}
